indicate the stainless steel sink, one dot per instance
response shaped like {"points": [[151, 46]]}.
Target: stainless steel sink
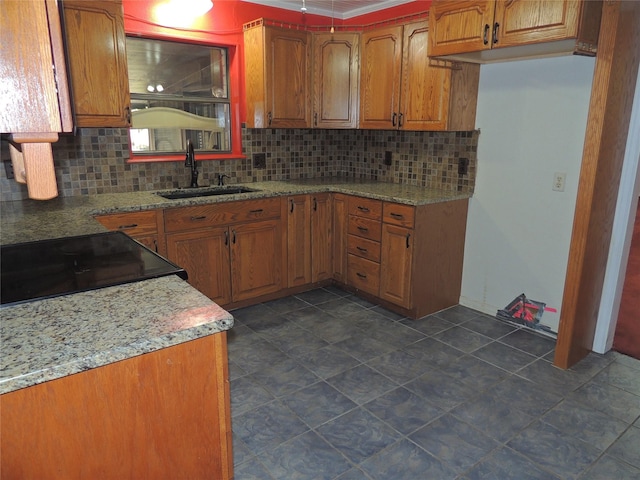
{"points": [[204, 192]]}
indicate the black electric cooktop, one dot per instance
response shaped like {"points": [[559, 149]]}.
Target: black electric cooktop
{"points": [[49, 268]]}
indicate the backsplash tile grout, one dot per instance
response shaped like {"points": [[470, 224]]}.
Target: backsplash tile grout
{"points": [[95, 160]]}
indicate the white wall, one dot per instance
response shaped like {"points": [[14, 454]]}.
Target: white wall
{"points": [[532, 115]]}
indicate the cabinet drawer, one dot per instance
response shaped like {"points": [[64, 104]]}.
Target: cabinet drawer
{"points": [[363, 274], [362, 247], [365, 207], [397, 214], [363, 227], [133, 224], [215, 214]]}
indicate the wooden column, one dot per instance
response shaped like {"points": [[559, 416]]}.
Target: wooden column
{"points": [[614, 81]]}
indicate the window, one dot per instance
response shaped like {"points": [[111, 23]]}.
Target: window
{"points": [[179, 92]]}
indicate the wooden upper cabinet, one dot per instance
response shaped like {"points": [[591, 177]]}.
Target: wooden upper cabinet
{"points": [[562, 26], [277, 76], [380, 71], [97, 62], [335, 79], [401, 88], [33, 82]]}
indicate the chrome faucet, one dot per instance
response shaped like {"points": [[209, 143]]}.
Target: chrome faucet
{"points": [[221, 177], [190, 161]]}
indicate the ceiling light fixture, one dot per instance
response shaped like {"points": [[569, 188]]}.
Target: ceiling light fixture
{"points": [[333, 30], [303, 9]]}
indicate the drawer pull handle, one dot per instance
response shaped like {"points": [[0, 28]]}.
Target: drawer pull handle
{"points": [[408, 237], [361, 275], [198, 218], [315, 204], [485, 35], [397, 215], [363, 250], [258, 210], [226, 238], [363, 229], [125, 227], [292, 205], [495, 32], [363, 209], [234, 236]]}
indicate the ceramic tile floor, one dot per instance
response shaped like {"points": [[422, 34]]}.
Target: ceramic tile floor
{"points": [[325, 385]]}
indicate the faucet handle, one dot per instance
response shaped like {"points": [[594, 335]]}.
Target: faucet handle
{"points": [[221, 177]]}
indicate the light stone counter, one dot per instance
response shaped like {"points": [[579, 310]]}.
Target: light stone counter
{"points": [[30, 220], [48, 339]]}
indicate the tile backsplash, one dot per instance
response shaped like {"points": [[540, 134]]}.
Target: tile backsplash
{"points": [[95, 160]]}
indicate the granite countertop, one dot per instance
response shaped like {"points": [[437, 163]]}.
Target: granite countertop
{"points": [[30, 220], [48, 339]]}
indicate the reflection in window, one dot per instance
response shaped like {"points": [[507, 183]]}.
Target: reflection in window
{"points": [[179, 92]]}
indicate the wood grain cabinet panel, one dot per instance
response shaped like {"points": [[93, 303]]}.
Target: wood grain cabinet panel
{"points": [[277, 76], [469, 26], [396, 265], [339, 247], [97, 62], [321, 237], [146, 227], [299, 251]]}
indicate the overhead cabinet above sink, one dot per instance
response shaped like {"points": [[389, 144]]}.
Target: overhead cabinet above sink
{"points": [[485, 31]]}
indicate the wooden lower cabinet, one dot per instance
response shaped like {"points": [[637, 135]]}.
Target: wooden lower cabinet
{"points": [[396, 262], [146, 227], [321, 237], [339, 247], [205, 255], [298, 240], [164, 414]]}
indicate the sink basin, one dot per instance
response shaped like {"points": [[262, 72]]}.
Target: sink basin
{"points": [[204, 192]]}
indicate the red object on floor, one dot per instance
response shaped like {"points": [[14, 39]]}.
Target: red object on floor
{"points": [[627, 335]]}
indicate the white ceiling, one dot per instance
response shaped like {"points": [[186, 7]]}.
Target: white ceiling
{"points": [[342, 9]]}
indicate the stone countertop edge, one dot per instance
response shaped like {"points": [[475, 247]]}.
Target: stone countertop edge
{"points": [[53, 338], [29, 220]]}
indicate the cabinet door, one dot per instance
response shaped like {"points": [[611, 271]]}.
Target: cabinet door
{"points": [[395, 265], [33, 82], [533, 21], [288, 78], [380, 78], [256, 259], [97, 62], [204, 254], [321, 237], [340, 215], [298, 240], [335, 80], [424, 96], [460, 26]]}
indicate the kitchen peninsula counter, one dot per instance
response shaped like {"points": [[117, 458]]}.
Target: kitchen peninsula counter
{"points": [[29, 220]]}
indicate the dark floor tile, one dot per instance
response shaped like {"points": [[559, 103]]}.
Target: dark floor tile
{"points": [[623, 359], [284, 377], [361, 384], [368, 320], [358, 434], [363, 348], [504, 356], [388, 313], [456, 443], [403, 410], [395, 334], [494, 417], [242, 315], [286, 304], [406, 461], [241, 452], [457, 314], [505, 464], [252, 470], [552, 449], [335, 330], [341, 308], [462, 339], [440, 390], [318, 403], [266, 324], [608, 468], [306, 457], [361, 301], [584, 422], [530, 342], [627, 447], [317, 296], [308, 317], [267, 426], [550, 378], [433, 352], [246, 394], [489, 326], [608, 399], [591, 365], [621, 376], [337, 291], [235, 371], [295, 339], [327, 361], [354, 474], [429, 325], [474, 372], [255, 355], [398, 365], [525, 395]]}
